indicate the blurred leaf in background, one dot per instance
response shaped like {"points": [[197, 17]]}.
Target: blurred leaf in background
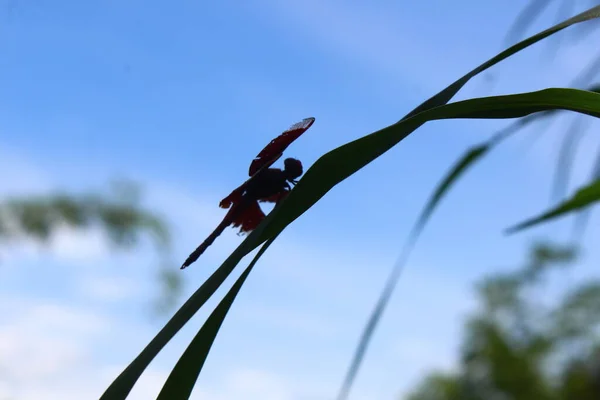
{"points": [[118, 214], [518, 347]]}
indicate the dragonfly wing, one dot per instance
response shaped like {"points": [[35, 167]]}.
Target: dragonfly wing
{"points": [[248, 218], [274, 150], [234, 197]]}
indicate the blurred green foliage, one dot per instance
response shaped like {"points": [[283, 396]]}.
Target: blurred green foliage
{"points": [[518, 347], [117, 213]]}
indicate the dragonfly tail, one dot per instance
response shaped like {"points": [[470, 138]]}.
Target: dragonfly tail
{"points": [[207, 242]]}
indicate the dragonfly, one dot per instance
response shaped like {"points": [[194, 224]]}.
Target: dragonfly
{"points": [[265, 185]]}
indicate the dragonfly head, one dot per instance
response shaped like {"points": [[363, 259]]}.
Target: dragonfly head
{"points": [[292, 168]]}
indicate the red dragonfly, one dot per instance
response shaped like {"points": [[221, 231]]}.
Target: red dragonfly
{"points": [[265, 185]]}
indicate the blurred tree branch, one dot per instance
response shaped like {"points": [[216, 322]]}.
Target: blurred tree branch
{"points": [[518, 348], [118, 214]]}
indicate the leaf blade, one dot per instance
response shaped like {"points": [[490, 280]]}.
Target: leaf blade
{"points": [[584, 197]]}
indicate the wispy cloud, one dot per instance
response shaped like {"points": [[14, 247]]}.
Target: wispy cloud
{"points": [[306, 323], [369, 35], [41, 341], [109, 289]]}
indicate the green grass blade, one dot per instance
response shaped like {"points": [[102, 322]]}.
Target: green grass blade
{"points": [[583, 198], [566, 157], [587, 74], [181, 380], [307, 192], [582, 218], [526, 17], [567, 154]]}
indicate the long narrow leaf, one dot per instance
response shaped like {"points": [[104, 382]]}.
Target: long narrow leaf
{"points": [[583, 198], [568, 151], [181, 380], [587, 74], [301, 198], [526, 17], [583, 216], [566, 157], [563, 11]]}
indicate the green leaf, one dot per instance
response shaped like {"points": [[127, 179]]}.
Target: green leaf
{"points": [[566, 157], [337, 166], [583, 216], [568, 150], [583, 198], [183, 377], [526, 17]]}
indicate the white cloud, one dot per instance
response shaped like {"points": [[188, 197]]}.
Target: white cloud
{"points": [[298, 321], [42, 342], [108, 288], [77, 245]]}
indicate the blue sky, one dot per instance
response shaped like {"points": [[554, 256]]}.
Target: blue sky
{"points": [[181, 96]]}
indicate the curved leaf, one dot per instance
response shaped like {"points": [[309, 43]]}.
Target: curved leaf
{"points": [[583, 198], [583, 216], [567, 153], [526, 17], [566, 157]]}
